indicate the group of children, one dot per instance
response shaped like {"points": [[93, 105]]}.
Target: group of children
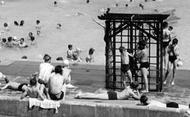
{"points": [[50, 83], [74, 54], [13, 41]]}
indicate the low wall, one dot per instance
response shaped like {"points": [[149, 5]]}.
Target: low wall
{"points": [[76, 108]]}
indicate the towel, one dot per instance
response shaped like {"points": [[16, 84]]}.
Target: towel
{"points": [[46, 104]]}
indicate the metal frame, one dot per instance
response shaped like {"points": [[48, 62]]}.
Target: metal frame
{"points": [[123, 29]]}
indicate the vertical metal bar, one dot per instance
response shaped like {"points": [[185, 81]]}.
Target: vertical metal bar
{"points": [[114, 57], [158, 58], [149, 46], [161, 47], [107, 54], [121, 36]]}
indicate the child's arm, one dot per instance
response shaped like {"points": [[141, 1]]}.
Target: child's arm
{"points": [[23, 95]]}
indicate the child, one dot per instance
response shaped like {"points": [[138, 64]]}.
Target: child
{"points": [[90, 57], [45, 70], [31, 38], [22, 43], [125, 67], [6, 27], [76, 55], [70, 52], [33, 90], [38, 27]]}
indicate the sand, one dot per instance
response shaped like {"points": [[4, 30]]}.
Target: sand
{"points": [[78, 28]]}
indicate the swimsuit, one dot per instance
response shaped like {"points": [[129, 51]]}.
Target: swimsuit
{"points": [[125, 67], [54, 96], [21, 85], [112, 95], [144, 64]]}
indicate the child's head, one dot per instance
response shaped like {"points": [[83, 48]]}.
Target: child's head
{"points": [[121, 49], [4, 40], [33, 82], [10, 39], [175, 41], [22, 40], [170, 28], [58, 69], [91, 51], [134, 85], [70, 47], [5, 25], [165, 24], [30, 34], [47, 58], [37, 21], [142, 44], [144, 100]]}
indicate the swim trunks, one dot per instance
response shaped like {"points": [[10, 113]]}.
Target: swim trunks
{"points": [[125, 67], [112, 95], [54, 96], [21, 85], [172, 58], [144, 64]]}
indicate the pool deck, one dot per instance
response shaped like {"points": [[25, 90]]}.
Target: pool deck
{"points": [[89, 77]]}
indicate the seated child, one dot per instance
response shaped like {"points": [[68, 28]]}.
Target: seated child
{"points": [[90, 57]]}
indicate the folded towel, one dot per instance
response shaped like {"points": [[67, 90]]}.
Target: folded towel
{"points": [[46, 104]]}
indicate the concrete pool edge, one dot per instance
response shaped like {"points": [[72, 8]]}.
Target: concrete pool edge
{"points": [[13, 106]]}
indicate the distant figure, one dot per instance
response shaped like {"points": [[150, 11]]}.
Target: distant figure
{"points": [[56, 84], [55, 3], [70, 52], [131, 0], [22, 43], [145, 0], [59, 26], [45, 70], [24, 57], [38, 27], [21, 22], [173, 52], [90, 57], [76, 55], [125, 66], [141, 6], [6, 27], [116, 4], [16, 23], [31, 38], [128, 92], [3, 41], [126, 5], [87, 1]]}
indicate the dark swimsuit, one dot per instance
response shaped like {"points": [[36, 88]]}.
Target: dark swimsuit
{"points": [[125, 67], [144, 64], [54, 96], [21, 85], [112, 95], [172, 58]]}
